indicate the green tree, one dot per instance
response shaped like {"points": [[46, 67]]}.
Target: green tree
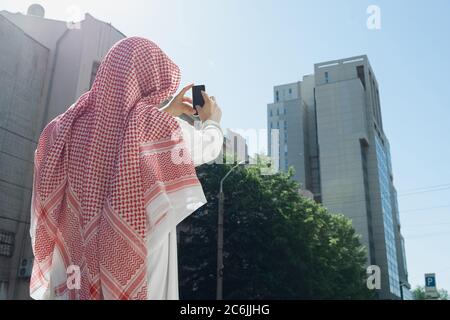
{"points": [[443, 294], [277, 244], [419, 294]]}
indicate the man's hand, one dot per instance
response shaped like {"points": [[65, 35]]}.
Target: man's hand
{"points": [[180, 104], [210, 109]]}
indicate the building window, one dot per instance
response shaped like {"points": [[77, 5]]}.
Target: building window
{"points": [[95, 66], [326, 77], [6, 243], [360, 72], [284, 111], [277, 96], [290, 90], [270, 113], [388, 221]]}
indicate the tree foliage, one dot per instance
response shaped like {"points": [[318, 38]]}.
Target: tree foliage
{"points": [[420, 294], [277, 244]]}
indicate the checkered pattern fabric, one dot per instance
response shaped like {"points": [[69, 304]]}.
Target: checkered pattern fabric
{"points": [[90, 179]]}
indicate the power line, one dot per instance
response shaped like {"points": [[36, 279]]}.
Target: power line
{"points": [[422, 275], [425, 191], [365, 215], [429, 235], [435, 186], [425, 209], [335, 200], [426, 225]]}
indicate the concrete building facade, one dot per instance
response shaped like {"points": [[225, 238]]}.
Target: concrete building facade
{"points": [[335, 133], [235, 147], [45, 65], [293, 114]]}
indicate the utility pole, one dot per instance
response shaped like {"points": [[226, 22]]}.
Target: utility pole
{"points": [[219, 291], [219, 288]]}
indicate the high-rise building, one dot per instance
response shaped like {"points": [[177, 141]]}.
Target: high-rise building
{"points": [[45, 65], [331, 132], [235, 147], [293, 114]]}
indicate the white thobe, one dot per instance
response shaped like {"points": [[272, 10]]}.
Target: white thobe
{"points": [[204, 144]]}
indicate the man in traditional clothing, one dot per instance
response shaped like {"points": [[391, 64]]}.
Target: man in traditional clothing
{"points": [[114, 175]]}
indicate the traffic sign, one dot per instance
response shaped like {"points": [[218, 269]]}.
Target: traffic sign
{"points": [[430, 280], [430, 286]]}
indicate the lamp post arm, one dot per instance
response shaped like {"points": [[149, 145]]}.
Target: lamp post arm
{"points": [[228, 173]]}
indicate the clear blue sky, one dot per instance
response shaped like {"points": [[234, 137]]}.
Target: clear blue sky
{"points": [[240, 49]]}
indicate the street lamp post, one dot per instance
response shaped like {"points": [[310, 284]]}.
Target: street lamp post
{"points": [[403, 285], [219, 289], [401, 291]]}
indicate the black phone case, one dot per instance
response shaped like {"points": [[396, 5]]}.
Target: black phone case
{"points": [[197, 98]]}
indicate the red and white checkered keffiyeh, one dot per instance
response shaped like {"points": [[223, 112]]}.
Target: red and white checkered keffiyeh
{"points": [[92, 180]]}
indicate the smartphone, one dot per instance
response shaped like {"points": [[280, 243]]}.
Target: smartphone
{"points": [[197, 98]]}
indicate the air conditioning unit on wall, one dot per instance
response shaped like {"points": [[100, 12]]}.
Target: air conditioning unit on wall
{"points": [[25, 267]]}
